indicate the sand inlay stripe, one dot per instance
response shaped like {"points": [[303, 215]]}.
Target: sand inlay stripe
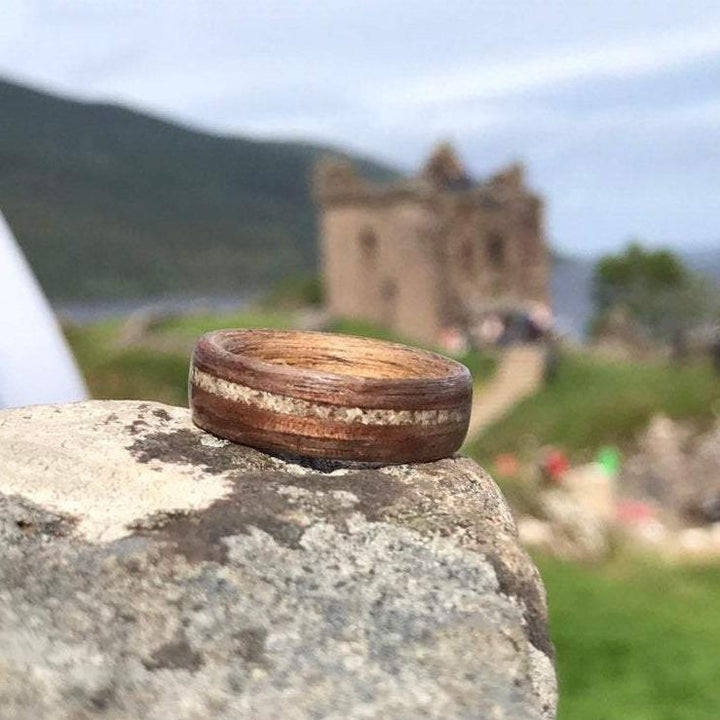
{"points": [[284, 405]]}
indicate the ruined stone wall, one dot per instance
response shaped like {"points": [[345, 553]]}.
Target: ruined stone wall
{"points": [[535, 252], [379, 266], [496, 250], [427, 254]]}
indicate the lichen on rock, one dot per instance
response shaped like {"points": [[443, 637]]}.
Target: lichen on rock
{"points": [[149, 570]]}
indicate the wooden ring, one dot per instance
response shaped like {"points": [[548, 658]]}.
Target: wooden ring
{"points": [[327, 395]]}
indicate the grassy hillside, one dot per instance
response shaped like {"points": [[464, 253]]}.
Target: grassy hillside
{"points": [[107, 202], [594, 402]]}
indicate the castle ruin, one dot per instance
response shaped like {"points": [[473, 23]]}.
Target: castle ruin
{"points": [[433, 252]]}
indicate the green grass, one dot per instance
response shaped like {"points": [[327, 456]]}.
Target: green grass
{"points": [[117, 373], [139, 373], [594, 402], [191, 327], [635, 640]]}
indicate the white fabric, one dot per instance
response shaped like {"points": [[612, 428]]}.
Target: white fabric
{"points": [[36, 365]]}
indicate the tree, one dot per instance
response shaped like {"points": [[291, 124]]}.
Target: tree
{"points": [[655, 291]]}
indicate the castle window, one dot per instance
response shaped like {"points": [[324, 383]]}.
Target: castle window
{"points": [[496, 251], [368, 245]]}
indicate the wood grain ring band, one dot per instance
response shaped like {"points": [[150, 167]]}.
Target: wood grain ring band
{"points": [[329, 395]]}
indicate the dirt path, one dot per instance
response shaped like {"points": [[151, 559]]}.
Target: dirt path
{"points": [[519, 375]]}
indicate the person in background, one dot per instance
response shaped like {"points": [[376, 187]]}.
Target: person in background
{"points": [[491, 329], [552, 360]]}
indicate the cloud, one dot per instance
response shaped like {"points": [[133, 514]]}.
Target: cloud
{"points": [[643, 56]]}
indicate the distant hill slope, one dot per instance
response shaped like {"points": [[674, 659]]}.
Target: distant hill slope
{"points": [[108, 203]]}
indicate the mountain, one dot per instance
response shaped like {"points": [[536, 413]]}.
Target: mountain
{"points": [[110, 203]]}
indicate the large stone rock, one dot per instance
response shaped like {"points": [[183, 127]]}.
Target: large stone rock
{"points": [[678, 469], [150, 570]]}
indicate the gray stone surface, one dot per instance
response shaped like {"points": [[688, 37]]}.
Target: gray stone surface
{"points": [[677, 468], [149, 570]]}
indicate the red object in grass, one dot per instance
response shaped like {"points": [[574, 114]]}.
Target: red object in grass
{"points": [[556, 465]]}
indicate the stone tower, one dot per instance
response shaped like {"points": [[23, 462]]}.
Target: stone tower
{"points": [[429, 253]]}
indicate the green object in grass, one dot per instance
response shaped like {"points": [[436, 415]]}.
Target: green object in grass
{"points": [[608, 458]]}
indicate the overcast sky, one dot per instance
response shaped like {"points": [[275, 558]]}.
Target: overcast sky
{"points": [[614, 105]]}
